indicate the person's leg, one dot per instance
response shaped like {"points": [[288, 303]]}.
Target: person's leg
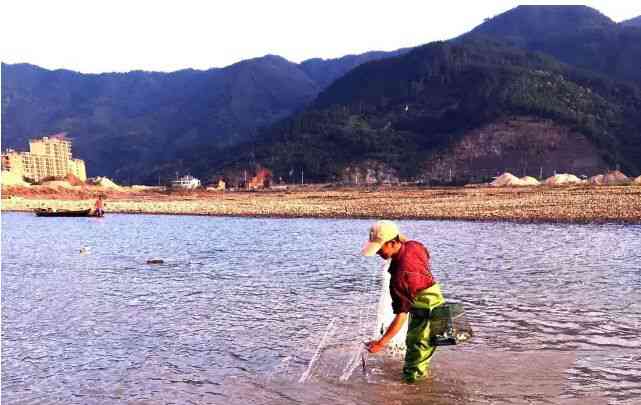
{"points": [[419, 352]]}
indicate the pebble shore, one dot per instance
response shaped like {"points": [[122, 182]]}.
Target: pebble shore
{"points": [[571, 204]]}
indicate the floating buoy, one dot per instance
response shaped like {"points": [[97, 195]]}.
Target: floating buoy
{"points": [[155, 261]]}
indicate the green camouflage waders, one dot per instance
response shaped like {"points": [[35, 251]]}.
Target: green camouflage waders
{"points": [[419, 352]]}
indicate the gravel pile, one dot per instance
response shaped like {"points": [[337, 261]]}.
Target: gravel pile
{"points": [[507, 180], [562, 179]]}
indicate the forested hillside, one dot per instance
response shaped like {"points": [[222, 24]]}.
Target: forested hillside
{"points": [[132, 126], [537, 89], [577, 35], [400, 114]]}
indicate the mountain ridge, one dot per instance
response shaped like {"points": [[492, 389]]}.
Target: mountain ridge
{"points": [[125, 123], [632, 22], [577, 35], [139, 126], [403, 114]]}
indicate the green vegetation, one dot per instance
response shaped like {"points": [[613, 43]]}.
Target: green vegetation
{"points": [[139, 126], [569, 65], [397, 111], [576, 35]]}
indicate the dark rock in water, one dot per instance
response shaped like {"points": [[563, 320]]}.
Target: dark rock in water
{"points": [[155, 261]]}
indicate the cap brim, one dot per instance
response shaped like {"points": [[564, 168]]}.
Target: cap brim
{"points": [[371, 248]]}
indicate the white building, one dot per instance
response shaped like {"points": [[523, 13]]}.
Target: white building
{"points": [[186, 182]]}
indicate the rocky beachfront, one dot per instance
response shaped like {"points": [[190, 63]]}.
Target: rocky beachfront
{"points": [[575, 203]]}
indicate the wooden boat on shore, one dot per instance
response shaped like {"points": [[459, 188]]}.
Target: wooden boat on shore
{"points": [[48, 212]]}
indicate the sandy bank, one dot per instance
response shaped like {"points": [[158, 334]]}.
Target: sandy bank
{"points": [[569, 204]]}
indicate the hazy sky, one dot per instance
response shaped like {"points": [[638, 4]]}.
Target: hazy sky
{"points": [[124, 35]]}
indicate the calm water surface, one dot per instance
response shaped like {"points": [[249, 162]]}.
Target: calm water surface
{"points": [[242, 310]]}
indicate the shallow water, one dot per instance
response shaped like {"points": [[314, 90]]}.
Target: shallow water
{"points": [[242, 310]]}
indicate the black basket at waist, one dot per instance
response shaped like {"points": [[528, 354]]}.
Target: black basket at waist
{"points": [[448, 324]]}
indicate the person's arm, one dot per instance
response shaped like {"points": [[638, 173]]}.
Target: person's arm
{"points": [[396, 325]]}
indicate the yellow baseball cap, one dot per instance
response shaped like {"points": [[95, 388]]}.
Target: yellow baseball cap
{"points": [[381, 232]]}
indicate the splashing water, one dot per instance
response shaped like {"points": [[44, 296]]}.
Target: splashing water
{"points": [[330, 330], [357, 358], [341, 349]]}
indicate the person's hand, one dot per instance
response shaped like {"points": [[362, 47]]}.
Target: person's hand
{"points": [[374, 346]]}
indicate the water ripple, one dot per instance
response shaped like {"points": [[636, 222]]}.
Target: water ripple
{"points": [[239, 300]]}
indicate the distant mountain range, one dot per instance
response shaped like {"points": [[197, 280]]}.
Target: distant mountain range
{"points": [[458, 112], [536, 90], [131, 125], [633, 22], [577, 35], [533, 90]]}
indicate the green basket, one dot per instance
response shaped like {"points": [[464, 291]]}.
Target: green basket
{"points": [[448, 325]]}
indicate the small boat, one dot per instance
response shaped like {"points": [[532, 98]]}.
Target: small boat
{"points": [[48, 212]]}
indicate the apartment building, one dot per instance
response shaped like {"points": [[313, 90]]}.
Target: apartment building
{"points": [[49, 156]]}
